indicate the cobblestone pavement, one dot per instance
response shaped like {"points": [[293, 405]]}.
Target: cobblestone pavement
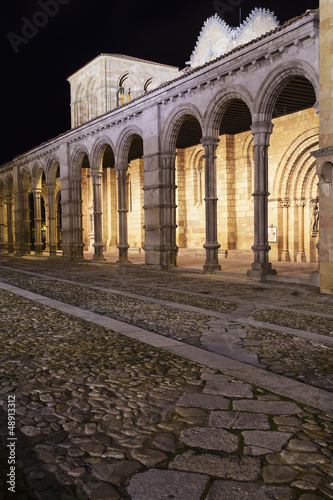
{"points": [[102, 416]]}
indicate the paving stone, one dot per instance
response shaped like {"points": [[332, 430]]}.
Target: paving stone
{"points": [[116, 473], [216, 377], [267, 407], [148, 456], [240, 469], [239, 491], [310, 496], [210, 438], [165, 441], [293, 458], [286, 420], [208, 401], [302, 446], [101, 491], [279, 474], [166, 484], [229, 389], [190, 412], [238, 420], [303, 485], [268, 440], [30, 431], [94, 449]]}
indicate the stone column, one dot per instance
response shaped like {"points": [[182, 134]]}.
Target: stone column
{"points": [[123, 245], [261, 267], [38, 220], [169, 247], [71, 216], [300, 257], [285, 256], [98, 214], [211, 245], [2, 223], [52, 220], [10, 238], [27, 229]]}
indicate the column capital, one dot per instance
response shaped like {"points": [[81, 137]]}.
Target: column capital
{"points": [[36, 190], [285, 203], [261, 131], [121, 167], [96, 174], [210, 141], [169, 155], [300, 203]]}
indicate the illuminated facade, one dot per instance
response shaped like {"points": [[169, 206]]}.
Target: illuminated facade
{"points": [[214, 159]]}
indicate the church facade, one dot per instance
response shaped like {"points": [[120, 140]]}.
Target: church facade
{"points": [[218, 158]]}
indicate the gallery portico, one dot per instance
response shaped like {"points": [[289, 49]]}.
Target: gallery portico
{"points": [[188, 164]]}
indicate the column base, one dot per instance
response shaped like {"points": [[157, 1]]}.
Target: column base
{"points": [[259, 271], [301, 257], [98, 252], [285, 256], [211, 268], [123, 255], [52, 250]]}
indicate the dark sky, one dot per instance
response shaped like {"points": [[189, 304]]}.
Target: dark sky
{"points": [[37, 60]]}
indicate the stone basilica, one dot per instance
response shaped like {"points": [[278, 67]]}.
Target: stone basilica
{"points": [[225, 158]]}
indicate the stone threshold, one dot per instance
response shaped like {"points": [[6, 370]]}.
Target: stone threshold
{"points": [[278, 384]]}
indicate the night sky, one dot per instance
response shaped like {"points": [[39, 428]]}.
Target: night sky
{"points": [[37, 60]]}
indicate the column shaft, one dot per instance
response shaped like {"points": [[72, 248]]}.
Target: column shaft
{"points": [[52, 220], [300, 257], [123, 245], [38, 220], [211, 245], [285, 247], [261, 267], [98, 215], [10, 236]]}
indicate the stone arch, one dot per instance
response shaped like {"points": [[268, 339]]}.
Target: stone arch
{"points": [[128, 87], [37, 173], [92, 98], [24, 179], [124, 142], [81, 105], [97, 152], [218, 105], [196, 165], [326, 172], [9, 184], [299, 148], [51, 169], [174, 122], [276, 80], [76, 160]]}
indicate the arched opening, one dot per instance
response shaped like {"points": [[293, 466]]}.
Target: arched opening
{"points": [[135, 194], [295, 134], [87, 203], [3, 217], [110, 200], [10, 219], [234, 174], [58, 222], [190, 213]]}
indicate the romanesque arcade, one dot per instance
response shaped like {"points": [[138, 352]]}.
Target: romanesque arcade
{"points": [[216, 162]]}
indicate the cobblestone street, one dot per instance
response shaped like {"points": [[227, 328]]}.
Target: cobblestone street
{"points": [[142, 385]]}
